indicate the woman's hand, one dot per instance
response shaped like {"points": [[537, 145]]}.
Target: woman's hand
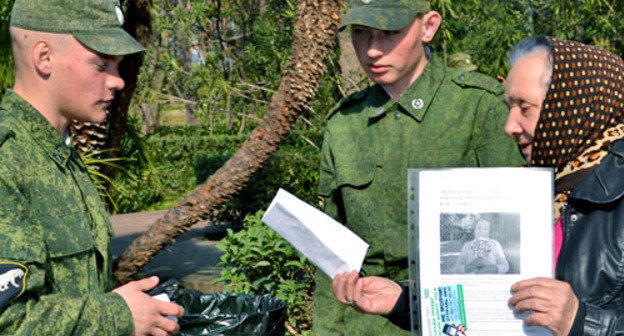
{"points": [[553, 303], [474, 266]]}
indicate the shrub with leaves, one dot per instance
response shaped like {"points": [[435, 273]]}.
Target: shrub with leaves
{"points": [[487, 29], [136, 185], [294, 167], [163, 167], [6, 59], [257, 260]]}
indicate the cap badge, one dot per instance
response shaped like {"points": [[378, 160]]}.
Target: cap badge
{"points": [[120, 15], [418, 104]]}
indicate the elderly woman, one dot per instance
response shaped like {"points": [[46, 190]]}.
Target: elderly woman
{"points": [[481, 255], [566, 103], [574, 122]]}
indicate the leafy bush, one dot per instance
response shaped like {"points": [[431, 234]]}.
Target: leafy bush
{"points": [[294, 167], [137, 184], [487, 29], [223, 59], [257, 260], [6, 59], [172, 156], [176, 160]]}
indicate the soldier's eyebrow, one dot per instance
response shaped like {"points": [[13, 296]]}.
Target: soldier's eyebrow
{"points": [[113, 58]]}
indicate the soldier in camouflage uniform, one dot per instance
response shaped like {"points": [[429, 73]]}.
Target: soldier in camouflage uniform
{"points": [[419, 114], [55, 254]]}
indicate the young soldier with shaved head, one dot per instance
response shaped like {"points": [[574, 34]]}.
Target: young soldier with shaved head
{"points": [[55, 253]]}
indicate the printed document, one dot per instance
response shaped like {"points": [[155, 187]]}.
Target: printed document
{"points": [[472, 234]]}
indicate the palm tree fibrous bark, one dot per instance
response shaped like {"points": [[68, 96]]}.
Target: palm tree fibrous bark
{"points": [[314, 40], [138, 24]]}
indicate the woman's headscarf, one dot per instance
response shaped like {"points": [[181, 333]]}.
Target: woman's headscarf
{"points": [[582, 114]]}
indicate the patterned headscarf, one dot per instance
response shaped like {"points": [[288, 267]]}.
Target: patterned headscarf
{"points": [[582, 114]]}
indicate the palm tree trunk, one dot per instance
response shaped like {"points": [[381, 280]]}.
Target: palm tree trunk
{"points": [[314, 39], [138, 24]]}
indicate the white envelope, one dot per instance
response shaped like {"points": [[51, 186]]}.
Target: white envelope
{"points": [[327, 243]]}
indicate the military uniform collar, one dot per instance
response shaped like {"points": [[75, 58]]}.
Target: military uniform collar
{"points": [[39, 128], [416, 100], [380, 101]]}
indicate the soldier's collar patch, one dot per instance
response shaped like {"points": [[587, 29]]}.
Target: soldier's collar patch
{"points": [[12, 281]]}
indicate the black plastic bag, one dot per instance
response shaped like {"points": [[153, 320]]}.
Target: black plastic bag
{"points": [[225, 313]]}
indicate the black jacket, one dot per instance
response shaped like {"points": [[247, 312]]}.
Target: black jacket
{"points": [[592, 254]]}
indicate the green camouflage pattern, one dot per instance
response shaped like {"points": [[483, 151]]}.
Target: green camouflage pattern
{"points": [[52, 221], [447, 118], [383, 14], [95, 23]]}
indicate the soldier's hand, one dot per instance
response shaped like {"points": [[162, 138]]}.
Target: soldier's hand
{"points": [[370, 295], [148, 313]]}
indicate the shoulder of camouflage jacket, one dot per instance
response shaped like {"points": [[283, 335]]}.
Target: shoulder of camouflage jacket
{"points": [[11, 151], [7, 129], [347, 101], [475, 80]]}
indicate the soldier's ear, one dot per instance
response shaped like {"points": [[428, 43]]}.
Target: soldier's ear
{"points": [[430, 23], [41, 56]]}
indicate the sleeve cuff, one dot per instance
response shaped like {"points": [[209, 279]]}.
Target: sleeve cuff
{"points": [[400, 313], [122, 317], [579, 321]]}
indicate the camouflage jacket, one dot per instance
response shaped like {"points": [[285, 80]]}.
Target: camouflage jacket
{"points": [[446, 118], [54, 235]]}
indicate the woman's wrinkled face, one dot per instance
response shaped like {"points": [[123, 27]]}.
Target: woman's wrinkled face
{"points": [[524, 95]]}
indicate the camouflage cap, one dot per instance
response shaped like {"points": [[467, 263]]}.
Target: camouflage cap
{"points": [[95, 23], [383, 14]]}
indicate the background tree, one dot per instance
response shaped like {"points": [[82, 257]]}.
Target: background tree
{"points": [[487, 29], [138, 24], [314, 34], [222, 60], [227, 83]]}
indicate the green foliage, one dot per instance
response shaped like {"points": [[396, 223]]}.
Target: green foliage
{"points": [[221, 59], [176, 159], [487, 29], [294, 167], [136, 184], [6, 59], [257, 260], [172, 156], [94, 161]]}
